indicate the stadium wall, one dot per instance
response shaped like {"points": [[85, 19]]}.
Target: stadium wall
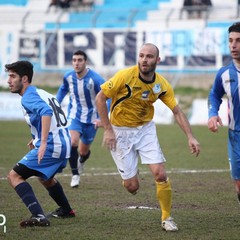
{"points": [[183, 52]]}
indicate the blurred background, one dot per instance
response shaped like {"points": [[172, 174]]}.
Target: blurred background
{"points": [[191, 35]]}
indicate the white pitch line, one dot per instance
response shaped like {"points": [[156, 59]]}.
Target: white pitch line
{"points": [[142, 207], [145, 172], [198, 171]]}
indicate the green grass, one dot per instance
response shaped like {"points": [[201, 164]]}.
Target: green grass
{"points": [[204, 202]]}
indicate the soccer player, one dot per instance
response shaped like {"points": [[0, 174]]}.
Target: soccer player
{"points": [[130, 132], [82, 84], [227, 82], [49, 148]]}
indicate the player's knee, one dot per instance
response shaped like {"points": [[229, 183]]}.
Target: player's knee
{"points": [[13, 178], [9, 177], [160, 177], [48, 183], [131, 186]]}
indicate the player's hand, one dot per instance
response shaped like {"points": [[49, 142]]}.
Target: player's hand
{"points": [[213, 123], [41, 151], [194, 146], [109, 139], [30, 145], [98, 123]]}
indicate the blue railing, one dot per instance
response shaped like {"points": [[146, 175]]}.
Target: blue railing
{"points": [[14, 2]]}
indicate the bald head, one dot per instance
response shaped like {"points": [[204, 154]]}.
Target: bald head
{"points": [[151, 47]]}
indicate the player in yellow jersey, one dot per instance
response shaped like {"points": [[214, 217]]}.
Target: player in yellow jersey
{"points": [[130, 132]]}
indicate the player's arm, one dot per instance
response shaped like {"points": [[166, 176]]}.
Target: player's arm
{"points": [[183, 122], [109, 139], [168, 98], [46, 122], [98, 122], [62, 91], [214, 102]]}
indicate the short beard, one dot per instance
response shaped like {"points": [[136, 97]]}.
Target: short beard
{"points": [[19, 90], [146, 73]]}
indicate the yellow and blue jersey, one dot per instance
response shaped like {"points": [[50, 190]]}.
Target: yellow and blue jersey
{"points": [[133, 97]]}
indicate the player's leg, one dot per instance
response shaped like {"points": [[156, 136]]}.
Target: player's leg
{"points": [[84, 154], [73, 160], [126, 158], [164, 190], [131, 184], [164, 195], [56, 192], [16, 178], [234, 159], [150, 153], [87, 137]]}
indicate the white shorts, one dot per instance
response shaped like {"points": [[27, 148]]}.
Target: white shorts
{"points": [[133, 142]]}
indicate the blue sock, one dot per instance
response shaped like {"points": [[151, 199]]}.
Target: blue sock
{"points": [[57, 194], [25, 192]]}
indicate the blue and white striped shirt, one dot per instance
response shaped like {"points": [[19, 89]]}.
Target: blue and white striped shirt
{"points": [[37, 103], [82, 106], [227, 82]]}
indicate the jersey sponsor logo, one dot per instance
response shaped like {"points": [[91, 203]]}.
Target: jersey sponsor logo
{"points": [[157, 88], [137, 88], [110, 84], [145, 95]]}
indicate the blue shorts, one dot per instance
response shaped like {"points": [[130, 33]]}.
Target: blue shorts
{"points": [[87, 130], [234, 153], [48, 167]]}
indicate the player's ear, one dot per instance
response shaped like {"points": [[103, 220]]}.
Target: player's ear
{"points": [[158, 60], [25, 78]]}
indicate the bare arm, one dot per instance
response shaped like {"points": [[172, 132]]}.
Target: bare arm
{"points": [[183, 122], [109, 139], [46, 122]]}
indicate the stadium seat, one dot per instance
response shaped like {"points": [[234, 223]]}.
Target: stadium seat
{"points": [[111, 14]]}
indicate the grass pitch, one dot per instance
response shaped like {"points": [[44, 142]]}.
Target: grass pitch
{"points": [[204, 199]]}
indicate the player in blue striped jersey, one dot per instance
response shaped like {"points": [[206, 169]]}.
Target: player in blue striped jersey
{"points": [[49, 148], [227, 82], [82, 84]]}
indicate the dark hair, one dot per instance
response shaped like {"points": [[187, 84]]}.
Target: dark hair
{"points": [[234, 28], [80, 52], [22, 68]]}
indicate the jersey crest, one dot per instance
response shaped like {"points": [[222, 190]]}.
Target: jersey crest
{"points": [[157, 88]]}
